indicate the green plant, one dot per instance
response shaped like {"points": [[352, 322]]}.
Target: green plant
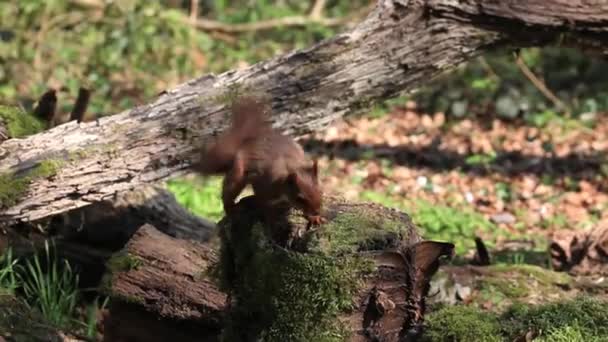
{"points": [[18, 122], [496, 80], [457, 225], [584, 315], [121, 52], [52, 290], [8, 274], [481, 159], [504, 191], [92, 317], [202, 197], [579, 319], [462, 324]]}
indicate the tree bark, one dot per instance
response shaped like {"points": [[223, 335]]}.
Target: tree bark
{"points": [[399, 46], [159, 277]]}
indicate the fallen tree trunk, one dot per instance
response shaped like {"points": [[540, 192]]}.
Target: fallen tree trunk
{"points": [[87, 236], [399, 46]]}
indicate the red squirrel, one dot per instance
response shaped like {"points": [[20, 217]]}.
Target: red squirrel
{"points": [[252, 152]]}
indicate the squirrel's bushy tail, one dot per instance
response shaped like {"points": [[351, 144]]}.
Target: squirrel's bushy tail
{"points": [[248, 122]]}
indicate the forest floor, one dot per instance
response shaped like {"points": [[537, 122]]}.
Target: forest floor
{"points": [[515, 185], [510, 181]]}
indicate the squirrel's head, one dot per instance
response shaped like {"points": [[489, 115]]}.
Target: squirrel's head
{"points": [[305, 191]]}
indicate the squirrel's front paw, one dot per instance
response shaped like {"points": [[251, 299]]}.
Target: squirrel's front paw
{"points": [[229, 209], [316, 220]]}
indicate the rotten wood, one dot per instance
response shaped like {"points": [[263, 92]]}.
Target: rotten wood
{"points": [[580, 252], [398, 47], [167, 277]]}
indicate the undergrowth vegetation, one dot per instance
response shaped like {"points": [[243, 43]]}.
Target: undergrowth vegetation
{"points": [[45, 287], [579, 319]]}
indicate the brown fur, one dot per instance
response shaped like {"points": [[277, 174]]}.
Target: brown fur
{"points": [[251, 152]]}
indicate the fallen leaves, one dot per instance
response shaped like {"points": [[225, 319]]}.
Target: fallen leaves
{"points": [[526, 179]]}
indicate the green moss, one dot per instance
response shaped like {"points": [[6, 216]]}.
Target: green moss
{"points": [[584, 315], [123, 261], [573, 333], [508, 287], [580, 319], [284, 295], [462, 324], [504, 284], [119, 262], [20, 123], [13, 187], [541, 275], [352, 232]]}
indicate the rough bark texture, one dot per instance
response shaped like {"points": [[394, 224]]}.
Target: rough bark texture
{"points": [[399, 46], [167, 277], [342, 279]]}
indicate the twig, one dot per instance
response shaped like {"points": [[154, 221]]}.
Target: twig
{"points": [[491, 73], [194, 10], [96, 4], [540, 85], [212, 25], [317, 9]]}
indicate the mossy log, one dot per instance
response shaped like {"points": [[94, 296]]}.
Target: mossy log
{"points": [[399, 46], [342, 281], [164, 282]]}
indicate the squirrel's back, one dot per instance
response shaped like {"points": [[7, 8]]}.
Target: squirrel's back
{"points": [[248, 123]]}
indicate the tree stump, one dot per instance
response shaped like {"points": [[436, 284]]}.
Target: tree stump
{"points": [[363, 276]]}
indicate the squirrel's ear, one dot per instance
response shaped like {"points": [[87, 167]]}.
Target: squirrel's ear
{"points": [[315, 169], [293, 179]]}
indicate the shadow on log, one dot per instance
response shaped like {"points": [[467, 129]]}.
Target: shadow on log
{"points": [[18, 322], [361, 277]]}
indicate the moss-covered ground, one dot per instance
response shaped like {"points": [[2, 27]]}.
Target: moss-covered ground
{"points": [[582, 318]]}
